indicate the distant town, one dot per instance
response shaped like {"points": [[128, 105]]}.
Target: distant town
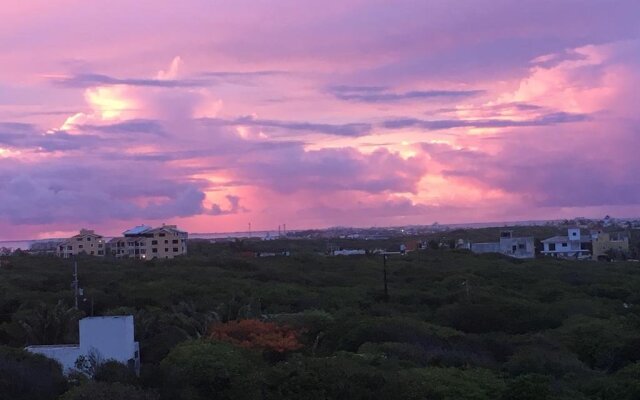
{"points": [[579, 238]]}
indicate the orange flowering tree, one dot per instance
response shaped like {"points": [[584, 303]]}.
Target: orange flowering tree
{"points": [[255, 334]]}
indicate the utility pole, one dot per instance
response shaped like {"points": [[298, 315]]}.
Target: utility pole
{"points": [[75, 284], [384, 270], [467, 287]]}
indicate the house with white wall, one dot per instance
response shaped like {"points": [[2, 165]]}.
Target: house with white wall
{"points": [[509, 245], [575, 245], [105, 338]]}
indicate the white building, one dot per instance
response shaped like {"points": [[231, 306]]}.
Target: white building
{"points": [[516, 247], [107, 338], [574, 245]]}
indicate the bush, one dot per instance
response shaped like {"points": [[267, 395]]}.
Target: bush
{"points": [[113, 371], [204, 369], [108, 391], [28, 376]]}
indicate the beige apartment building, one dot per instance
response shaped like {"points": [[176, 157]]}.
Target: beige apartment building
{"points": [[603, 242], [86, 242], [145, 242]]}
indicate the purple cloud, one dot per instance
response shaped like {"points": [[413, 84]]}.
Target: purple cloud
{"points": [[350, 129], [544, 120], [377, 94], [91, 80]]}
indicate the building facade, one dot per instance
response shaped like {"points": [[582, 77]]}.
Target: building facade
{"points": [[516, 247], [144, 242], [574, 245], [86, 242], [101, 338], [608, 244]]}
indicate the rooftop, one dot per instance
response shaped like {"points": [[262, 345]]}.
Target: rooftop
{"points": [[565, 239], [52, 346], [137, 230]]}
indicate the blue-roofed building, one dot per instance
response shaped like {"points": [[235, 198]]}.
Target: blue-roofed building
{"points": [[137, 230], [145, 242]]}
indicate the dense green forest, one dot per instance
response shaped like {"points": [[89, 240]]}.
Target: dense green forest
{"points": [[454, 325]]}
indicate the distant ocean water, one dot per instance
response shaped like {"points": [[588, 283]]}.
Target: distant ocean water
{"points": [[18, 244]]}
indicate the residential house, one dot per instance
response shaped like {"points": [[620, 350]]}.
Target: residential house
{"points": [[574, 245], [86, 242], [145, 242], [516, 247], [101, 339], [604, 243]]}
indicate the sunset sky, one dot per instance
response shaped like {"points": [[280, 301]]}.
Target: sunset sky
{"points": [[213, 114]]}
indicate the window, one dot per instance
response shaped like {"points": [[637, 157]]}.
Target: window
{"points": [[564, 245], [88, 238], [79, 239], [69, 247], [166, 242], [514, 248], [552, 247], [174, 241], [154, 250], [100, 245], [161, 234], [80, 246], [100, 252], [92, 253], [175, 249], [143, 251], [521, 246], [154, 242]]}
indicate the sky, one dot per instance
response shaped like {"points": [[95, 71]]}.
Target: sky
{"points": [[214, 115]]}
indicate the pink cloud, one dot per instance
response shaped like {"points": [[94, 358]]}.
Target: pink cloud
{"points": [[357, 112]]}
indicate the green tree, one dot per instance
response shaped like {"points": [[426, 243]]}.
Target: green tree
{"points": [[112, 371], [29, 376], [528, 387], [206, 369], [108, 391]]}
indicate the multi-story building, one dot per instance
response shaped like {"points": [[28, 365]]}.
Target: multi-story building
{"points": [[608, 244], [145, 242], [574, 245], [86, 242], [597, 245]]}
